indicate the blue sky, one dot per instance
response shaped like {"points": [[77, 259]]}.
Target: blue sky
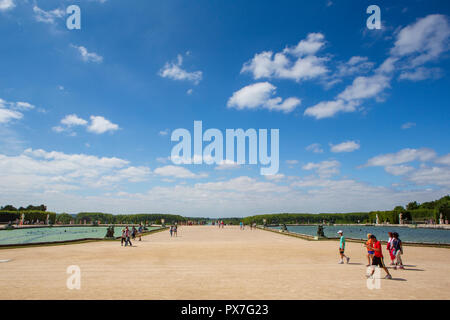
{"points": [[86, 115]]}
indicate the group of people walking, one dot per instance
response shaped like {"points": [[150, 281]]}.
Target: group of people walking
{"points": [[128, 234], [375, 252], [173, 230]]}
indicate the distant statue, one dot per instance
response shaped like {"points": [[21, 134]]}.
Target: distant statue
{"points": [[378, 219], [320, 232], [9, 226], [110, 232], [400, 218], [441, 219]]}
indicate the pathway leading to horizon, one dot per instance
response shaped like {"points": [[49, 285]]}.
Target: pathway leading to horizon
{"points": [[206, 262]]}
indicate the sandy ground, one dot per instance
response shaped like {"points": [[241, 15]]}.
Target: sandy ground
{"points": [[211, 263]]}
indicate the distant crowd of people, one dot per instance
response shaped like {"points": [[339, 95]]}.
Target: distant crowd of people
{"points": [[375, 253]]}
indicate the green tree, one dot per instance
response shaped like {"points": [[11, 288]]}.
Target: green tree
{"points": [[412, 206]]}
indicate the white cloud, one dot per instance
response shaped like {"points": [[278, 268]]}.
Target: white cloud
{"points": [[260, 95], [328, 109], [227, 164], [73, 120], [7, 115], [292, 162], [444, 160], [6, 5], [101, 125], [439, 176], [398, 170], [39, 170], [408, 125], [347, 146], [355, 65], [178, 172], [164, 132], [47, 16], [275, 177], [59, 180], [416, 44], [402, 156], [295, 63], [309, 46], [420, 74], [174, 71], [315, 147], [423, 41], [98, 124], [365, 87], [87, 56], [12, 110], [325, 168]]}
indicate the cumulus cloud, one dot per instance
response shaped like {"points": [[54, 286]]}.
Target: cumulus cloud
{"points": [[326, 109], [445, 160], [424, 176], [47, 16], [10, 111], [423, 41], [420, 74], [173, 70], [402, 156], [398, 170], [97, 125], [101, 125], [6, 5], [315, 147], [59, 180], [408, 125], [355, 65], [347, 146], [40, 170], [227, 164], [73, 120], [260, 95], [87, 56], [178, 172], [296, 63], [8, 115], [416, 44], [164, 132], [325, 168]]}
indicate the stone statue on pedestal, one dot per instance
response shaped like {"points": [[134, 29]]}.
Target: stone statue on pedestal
{"points": [[110, 232], [320, 233]]}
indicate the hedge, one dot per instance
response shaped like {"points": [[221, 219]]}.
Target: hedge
{"points": [[6, 216]]}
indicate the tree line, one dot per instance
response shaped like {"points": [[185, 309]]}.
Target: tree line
{"points": [[413, 212]]}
